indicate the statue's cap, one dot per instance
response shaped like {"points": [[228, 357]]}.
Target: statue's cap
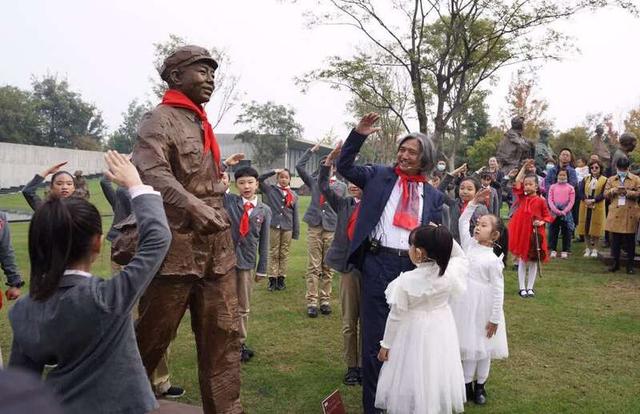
{"points": [[184, 56]]}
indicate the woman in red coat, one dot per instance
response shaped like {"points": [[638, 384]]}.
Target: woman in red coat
{"points": [[531, 212]]}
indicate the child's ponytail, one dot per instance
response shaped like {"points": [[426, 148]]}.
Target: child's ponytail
{"points": [[501, 246], [437, 241], [60, 234]]}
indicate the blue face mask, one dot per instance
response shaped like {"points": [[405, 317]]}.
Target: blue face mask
{"points": [[622, 174], [550, 166], [441, 167]]}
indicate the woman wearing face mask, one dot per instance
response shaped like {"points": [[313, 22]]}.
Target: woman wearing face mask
{"points": [[62, 185], [592, 208], [622, 190]]}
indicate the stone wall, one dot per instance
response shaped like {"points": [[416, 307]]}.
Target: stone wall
{"points": [[19, 163]]}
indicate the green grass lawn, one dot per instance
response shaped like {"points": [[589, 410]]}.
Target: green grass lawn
{"points": [[575, 348]]}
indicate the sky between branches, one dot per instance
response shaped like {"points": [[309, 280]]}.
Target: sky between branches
{"points": [[105, 50]]}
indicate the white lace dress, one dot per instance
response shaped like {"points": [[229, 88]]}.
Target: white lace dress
{"points": [[482, 301], [423, 374]]}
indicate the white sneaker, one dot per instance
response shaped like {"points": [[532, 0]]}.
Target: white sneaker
{"points": [[554, 254], [564, 255], [587, 252], [594, 253]]}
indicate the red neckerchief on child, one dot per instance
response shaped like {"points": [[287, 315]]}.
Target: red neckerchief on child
{"points": [[407, 213], [177, 99], [464, 205], [244, 221], [322, 199], [353, 218], [288, 198]]}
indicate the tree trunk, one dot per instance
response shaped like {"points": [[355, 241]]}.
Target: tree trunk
{"points": [[418, 96]]}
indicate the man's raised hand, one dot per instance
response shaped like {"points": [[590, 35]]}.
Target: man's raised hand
{"points": [[366, 124]]}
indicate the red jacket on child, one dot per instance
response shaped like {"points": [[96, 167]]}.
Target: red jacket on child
{"points": [[530, 208]]}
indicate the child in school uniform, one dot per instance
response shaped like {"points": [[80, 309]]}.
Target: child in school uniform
{"points": [[467, 189], [527, 223], [8, 264], [422, 372], [250, 221], [493, 201], [285, 224], [478, 312], [62, 185], [80, 322], [347, 210], [321, 220]]}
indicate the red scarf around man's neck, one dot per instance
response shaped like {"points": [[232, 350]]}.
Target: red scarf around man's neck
{"points": [[177, 99], [407, 213]]}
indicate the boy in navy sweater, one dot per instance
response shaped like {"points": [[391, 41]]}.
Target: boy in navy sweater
{"points": [[250, 220]]}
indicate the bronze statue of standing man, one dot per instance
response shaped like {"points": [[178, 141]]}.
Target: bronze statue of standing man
{"points": [[514, 148], [599, 146], [177, 153]]}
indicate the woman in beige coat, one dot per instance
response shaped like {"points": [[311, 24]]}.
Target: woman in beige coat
{"points": [[623, 191]]}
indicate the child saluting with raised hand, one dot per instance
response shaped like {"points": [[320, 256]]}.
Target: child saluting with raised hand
{"points": [[527, 223], [478, 312]]}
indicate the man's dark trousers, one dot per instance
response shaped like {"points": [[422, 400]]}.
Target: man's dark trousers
{"points": [[378, 271]]}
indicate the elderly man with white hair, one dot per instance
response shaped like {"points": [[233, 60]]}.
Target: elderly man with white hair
{"points": [[395, 200]]}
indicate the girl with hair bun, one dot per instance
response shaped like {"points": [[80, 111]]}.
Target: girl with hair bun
{"points": [[62, 185], [422, 372]]}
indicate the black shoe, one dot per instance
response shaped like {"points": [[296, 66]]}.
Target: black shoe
{"points": [[523, 293], [173, 392], [280, 283], [352, 377], [469, 388], [312, 312], [325, 309], [273, 283], [614, 268], [245, 353], [479, 394], [249, 351]]}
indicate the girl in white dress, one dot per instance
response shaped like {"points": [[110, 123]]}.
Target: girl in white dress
{"points": [[422, 372], [478, 312]]}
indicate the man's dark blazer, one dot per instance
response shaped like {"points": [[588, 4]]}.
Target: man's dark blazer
{"points": [[376, 182]]}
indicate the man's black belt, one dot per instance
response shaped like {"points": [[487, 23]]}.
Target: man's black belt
{"points": [[392, 251]]}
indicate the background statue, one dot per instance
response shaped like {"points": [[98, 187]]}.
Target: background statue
{"points": [[544, 152], [514, 148], [600, 147]]}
